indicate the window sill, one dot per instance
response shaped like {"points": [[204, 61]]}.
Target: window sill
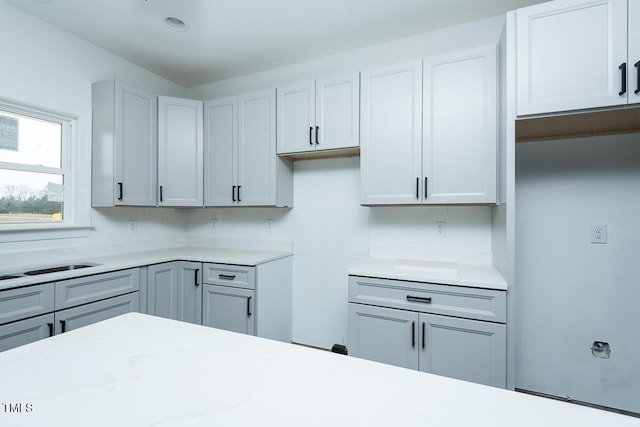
{"points": [[30, 232]]}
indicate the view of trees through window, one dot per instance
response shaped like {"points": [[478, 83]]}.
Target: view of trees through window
{"points": [[31, 168]]}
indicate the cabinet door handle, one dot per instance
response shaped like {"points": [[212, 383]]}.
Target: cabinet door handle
{"points": [[63, 326], [196, 278], [423, 327], [310, 135], [417, 187], [161, 199], [623, 68], [239, 187], [637, 65], [426, 182], [233, 193], [425, 300], [226, 276], [119, 191], [50, 325], [248, 306], [317, 130], [413, 334]]}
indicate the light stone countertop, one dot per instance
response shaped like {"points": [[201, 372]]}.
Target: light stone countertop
{"points": [[124, 260], [446, 273], [139, 370]]}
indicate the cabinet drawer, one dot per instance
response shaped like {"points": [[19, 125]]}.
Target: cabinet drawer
{"points": [[471, 303], [229, 275], [70, 293], [77, 317], [16, 304], [25, 331]]}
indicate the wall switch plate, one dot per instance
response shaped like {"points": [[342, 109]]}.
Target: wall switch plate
{"points": [[598, 233], [441, 228], [132, 227]]}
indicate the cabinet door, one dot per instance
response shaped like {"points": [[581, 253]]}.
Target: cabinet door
{"points": [[338, 112], [77, 317], [229, 308], [180, 152], [569, 54], [469, 350], [634, 52], [136, 148], [296, 118], [391, 134], [190, 292], [257, 149], [220, 151], [26, 331], [162, 290], [383, 335], [460, 123]]}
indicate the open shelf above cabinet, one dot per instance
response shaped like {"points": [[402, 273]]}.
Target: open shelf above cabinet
{"points": [[576, 125]]}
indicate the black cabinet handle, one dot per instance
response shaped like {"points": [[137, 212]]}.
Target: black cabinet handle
{"points": [[310, 135], [63, 325], [425, 300], [417, 187], [50, 325], [248, 306], [196, 278], [226, 276], [233, 193], [119, 191], [623, 68], [426, 181], [239, 187], [413, 334], [317, 130], [423, 334], [161, 193], [637, 65]]}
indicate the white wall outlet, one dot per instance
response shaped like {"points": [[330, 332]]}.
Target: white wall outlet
{"points": [[269, 225], [441, 228], [598, 233], [214, 224], [132, 227]]}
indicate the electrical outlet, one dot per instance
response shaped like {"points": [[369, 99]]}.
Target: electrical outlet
{"points": [[269, 225], [132, 227], [598, 233], [441, 228], [214, 224]]}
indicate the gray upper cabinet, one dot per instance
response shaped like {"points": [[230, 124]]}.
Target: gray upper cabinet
{"points": [[180, 152], [124, 145], [319, 115], [241, 166]]}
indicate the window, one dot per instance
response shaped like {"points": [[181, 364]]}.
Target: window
{"points": [[34, 169]]}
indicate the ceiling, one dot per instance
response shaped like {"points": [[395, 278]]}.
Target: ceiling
{"points": [[227, 38]]}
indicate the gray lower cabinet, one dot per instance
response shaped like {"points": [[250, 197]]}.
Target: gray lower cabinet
{"points": [[420, 326], [26, 331], [34, 312], [229, 308], [174, 291]]}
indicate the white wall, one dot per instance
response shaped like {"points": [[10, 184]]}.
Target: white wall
{"points": [[52, 69], [572, 292]]}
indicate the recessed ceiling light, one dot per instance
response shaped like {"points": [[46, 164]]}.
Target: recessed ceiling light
{"points": [[175, 24]]}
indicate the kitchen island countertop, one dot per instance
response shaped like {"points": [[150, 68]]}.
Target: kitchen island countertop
{"points": [[140, 370]]}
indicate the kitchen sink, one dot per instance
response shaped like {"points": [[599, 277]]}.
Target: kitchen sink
{"points": [[55, 269], [58, 269]]}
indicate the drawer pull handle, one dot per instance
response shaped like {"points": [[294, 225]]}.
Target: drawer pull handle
{"points": [[50, 325], [226, 276], [425, 300], [63, 326]]}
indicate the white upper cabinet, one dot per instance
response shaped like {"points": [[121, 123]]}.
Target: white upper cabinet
{"points": [[180, 152], [241, 166], [391, 132], [319, 115], [572, 54], [634, 52], [124, 162], [459, 128]]}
